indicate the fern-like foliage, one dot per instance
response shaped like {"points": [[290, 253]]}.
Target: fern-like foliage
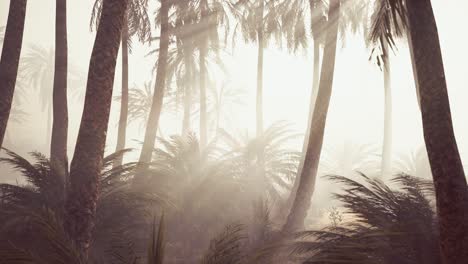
{"points": [[385, 226]]}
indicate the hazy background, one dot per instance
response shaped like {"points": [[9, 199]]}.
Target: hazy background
{"points": [[356, 110]]}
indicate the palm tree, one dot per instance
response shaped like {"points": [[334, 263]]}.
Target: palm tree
{"points": [[43, 191], [136, 24], [447, 169], [259, 22], [280, 162], [87, 159], [292, 19], [9, 60], [58, 145], [38, 71], [444, 158], [305, 189], [384, 27], [159, 86], [213, 15]]}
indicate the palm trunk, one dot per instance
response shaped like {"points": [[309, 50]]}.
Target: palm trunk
{"points": [[58, 143], [306, 187], [203, 113], [159, 87], [86, 165], [186, 121], [386, 168], [313, 98], [122, 132], [10, 60], [203, 77], [447, 169]]}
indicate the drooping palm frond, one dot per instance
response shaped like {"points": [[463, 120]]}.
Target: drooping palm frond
{"points": [[139, 104], [280, 162], [37, 72], [48, 244], [137, 19], [226, 248], [388, 22], [157, 243], [116, 196], [385, 225]]}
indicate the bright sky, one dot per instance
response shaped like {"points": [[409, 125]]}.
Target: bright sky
{"points": [[356, 109]]}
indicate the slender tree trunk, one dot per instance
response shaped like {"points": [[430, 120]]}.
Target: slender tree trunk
{"points": [[10, 60], [261, 45], [59, 139], [159, 87], [306, 187], [86, 165], [188, 84], [122, 132], [203, 113], [313, 98], [447, 169], [203, 77], [386, 168]]}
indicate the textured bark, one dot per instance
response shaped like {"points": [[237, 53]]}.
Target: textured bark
{"points": [[10, 60], [306, 187], [58, 145], [447, 170], [386, 166], [159, 87], [261, 46], [203, 77], [86, 165], [122, 131]]}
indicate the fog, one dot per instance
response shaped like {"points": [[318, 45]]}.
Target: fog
{"points": [[354, 130]]}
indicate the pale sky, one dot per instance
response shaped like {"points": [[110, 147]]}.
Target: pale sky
{"points": [[356, 109]]}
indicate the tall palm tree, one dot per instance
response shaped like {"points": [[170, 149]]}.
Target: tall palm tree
{"points": [[293, 18], [87, 159], [213, 16], [9, 60], [305, 189], [259, 22], [159, 86], [447, 169], [37, 70], [431, 88], [385, 26], [136, 24], [58, 145]]}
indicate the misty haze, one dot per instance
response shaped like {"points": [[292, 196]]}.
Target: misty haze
{"points": [[233, 132]]}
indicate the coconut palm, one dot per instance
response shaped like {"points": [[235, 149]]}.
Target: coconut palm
{"points": [[137, 24], [37, 71], [259, 23], [306, 185], [89, 150], [444, 158], [58, 145], [213, 16], [9, 60], [385, 225], [160, 84]]}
